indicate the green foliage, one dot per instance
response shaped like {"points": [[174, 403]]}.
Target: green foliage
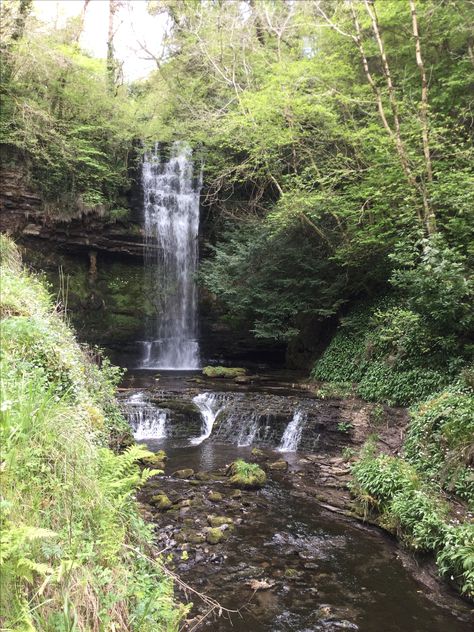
{"points": [[439, 441], [62, 123], [391, 490], [68, 509], [456, 557], [394, 354]]}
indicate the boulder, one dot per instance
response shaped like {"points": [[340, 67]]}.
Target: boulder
{"points": [[185, 473], [279, 465], [161, 501]]}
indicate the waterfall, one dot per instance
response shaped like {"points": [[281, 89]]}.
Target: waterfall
{"points": [[210, 405], [248, 431], [147, 421], [292, 435], [171, 211]]}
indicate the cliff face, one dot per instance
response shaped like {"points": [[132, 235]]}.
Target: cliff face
{"points": [[25, 216], [19, 203]]}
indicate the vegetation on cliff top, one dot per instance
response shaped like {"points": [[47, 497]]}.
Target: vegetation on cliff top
{"points": [[72, 540]]}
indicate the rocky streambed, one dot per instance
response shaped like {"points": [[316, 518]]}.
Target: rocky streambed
{"points": [[291, 555]]}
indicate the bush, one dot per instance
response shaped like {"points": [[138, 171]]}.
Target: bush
{"points": [[391, 353]]}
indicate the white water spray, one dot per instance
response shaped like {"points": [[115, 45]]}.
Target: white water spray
{"points": [[292, 435], [171, 210], [147, 421], [210, 405]]}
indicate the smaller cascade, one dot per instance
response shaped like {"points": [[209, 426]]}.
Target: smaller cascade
{"points": [[210, 405], [292, 435], [147, 421], [249, 431]]}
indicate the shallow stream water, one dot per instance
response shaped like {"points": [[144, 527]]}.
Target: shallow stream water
{"points": [[326, 572]]}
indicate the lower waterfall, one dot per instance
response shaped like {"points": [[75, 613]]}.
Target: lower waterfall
{"points": [[210, 405], [292, 435], [147, 421]]}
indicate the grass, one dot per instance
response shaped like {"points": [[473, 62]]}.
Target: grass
{"points": [[74, 548], [246, 475]]}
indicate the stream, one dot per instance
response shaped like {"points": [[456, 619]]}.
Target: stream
{"points": [[319, 570]]}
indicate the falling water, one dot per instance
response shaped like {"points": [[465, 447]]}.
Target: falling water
{"points": [[292, 435], [210, 405], [147, 421], [171, 210]]}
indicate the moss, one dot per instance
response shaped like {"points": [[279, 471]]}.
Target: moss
{"points": [[215, 497], [214, 536], [279, 465], [223, 371], [218, 521], [161, 501], [156, 460], [246, 475]]}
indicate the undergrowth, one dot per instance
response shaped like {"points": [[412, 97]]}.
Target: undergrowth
{"points": [[405, 502], [72, 539]]}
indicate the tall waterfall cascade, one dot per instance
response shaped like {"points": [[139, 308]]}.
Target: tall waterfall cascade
{"points": [[171, 191]]}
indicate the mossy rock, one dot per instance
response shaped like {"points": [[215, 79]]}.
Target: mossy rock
{"points": [[177, 405], [185, 473], [196, 538], [214, 536], [279, 465], [202, 476], [293, 573], [236, 494], [223, 371], [256, 452], [156, 460], [218, 521], [246, 475], [215, 497], [161, 501]]}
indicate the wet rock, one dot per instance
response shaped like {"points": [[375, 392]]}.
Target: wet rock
{"points": [[202, 476], [292, 573], [215, 497], [219, 521], [161, 501], [242, 379], [214, 535], [156, 460], [186, 473], [280, 465], [196, 538]]}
